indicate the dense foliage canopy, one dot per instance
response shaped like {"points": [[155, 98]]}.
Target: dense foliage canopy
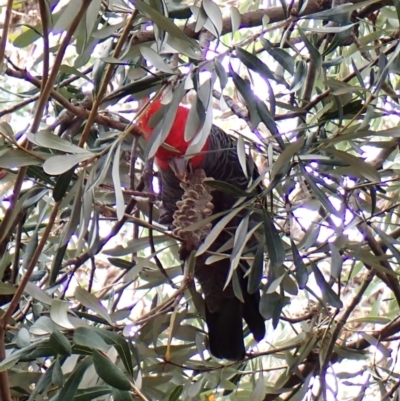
{"points": [[94, 301]]}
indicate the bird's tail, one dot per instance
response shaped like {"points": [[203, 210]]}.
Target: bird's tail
{"points": [[225, 327]]}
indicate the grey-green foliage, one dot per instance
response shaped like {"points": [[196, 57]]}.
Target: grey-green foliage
{"points": [[98, 319]]}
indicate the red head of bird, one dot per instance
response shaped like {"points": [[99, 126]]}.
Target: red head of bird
{"points": [[165, 158]]}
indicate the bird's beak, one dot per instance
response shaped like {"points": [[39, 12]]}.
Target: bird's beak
{"points": [[178, 166]]}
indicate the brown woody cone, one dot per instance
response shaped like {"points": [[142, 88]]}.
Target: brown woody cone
{"points": [[195, 206]]}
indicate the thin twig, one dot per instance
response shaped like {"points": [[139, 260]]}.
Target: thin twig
{"points": [[106, 79], [340, 324], [153, 249], [45, 36], [5, 31], [45, 93], [35, 257]]}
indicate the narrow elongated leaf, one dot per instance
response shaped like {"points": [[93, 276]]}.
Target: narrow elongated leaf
{"points": [[92, 302], [281, 166], [390, 242], [7, 289], [327, 293], [221, 73], [300, 75], [276, 250], [57, 165], [281, 56], [60, 343], [363, 168], [15, 158], [59, 313], [314, 53], [119, 395], [248, 95], [320, 194], [88, 337], [217, 230], [46, 139], [119, 196], [301, 269], [236, 19], [121, 345], [254, 63], [70, 388], [62, 184], [256, 271], [75, 212], [166, 24], [214, 14], [92, 393], [38, 294], [155, 59], [336, 261], [109, 372], [241, 151]]}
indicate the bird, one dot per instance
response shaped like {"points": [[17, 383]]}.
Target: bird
{"points": [[224, 312]]}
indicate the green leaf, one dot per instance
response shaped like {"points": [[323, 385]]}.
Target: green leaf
{"points": [[57, 376], [314, 53], [301, 269], [216, 230], [29, 36], [119, 196], [300, 75], [36, 293], [176, 393], [62, 184], [390, 242], [336, 261], [60, 343], [74, 219], [241, 151], [203, 102], [227, 188], [16, 158], [70, 388], [48, 140], [236, 19], [67, 69], [214, 14], [248, 95], [57, 165], [121, 345], [363, 168], [281, 56], [135, 245], [7, 289], [281, 166], [89, 337], [221, 73], [273, 241], [319, 194], [59, 313], [109, 372], [66, 16], [256, 271], [119, 395], [254, 63], [166, 24], [92, 302], [327, 293], [91, 393], [155, 59]]}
